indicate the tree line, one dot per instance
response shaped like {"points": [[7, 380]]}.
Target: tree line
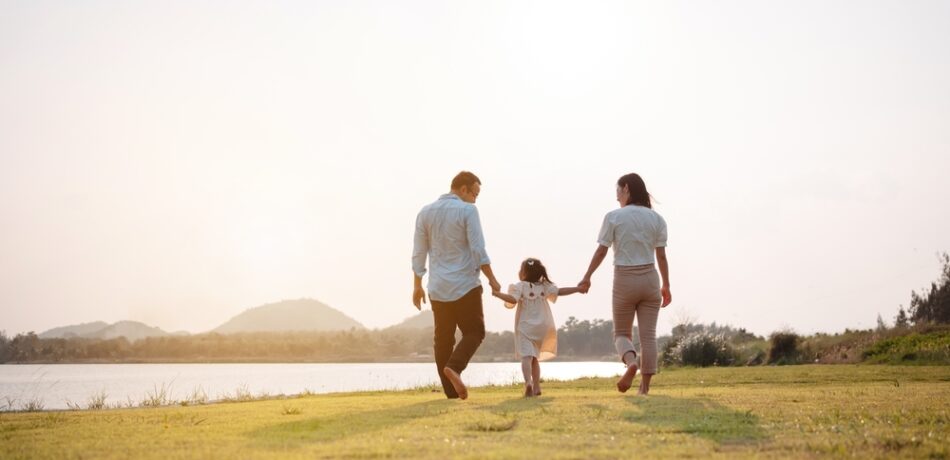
{"points": [[578, 340]]}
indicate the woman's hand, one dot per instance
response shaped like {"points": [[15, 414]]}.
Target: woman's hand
{"points": [[667, 297], [584, 286]]}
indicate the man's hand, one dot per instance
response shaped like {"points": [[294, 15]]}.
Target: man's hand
{"points": [[495, 286], [667, 297], [418, 297]]}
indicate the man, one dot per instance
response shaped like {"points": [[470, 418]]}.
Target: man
{"points": [[449, 232]]}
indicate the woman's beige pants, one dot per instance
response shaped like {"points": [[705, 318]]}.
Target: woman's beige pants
{"points": [[637, 293]]}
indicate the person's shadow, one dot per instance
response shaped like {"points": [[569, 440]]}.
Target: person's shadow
{"points": [[698, 417], [340, 426]]}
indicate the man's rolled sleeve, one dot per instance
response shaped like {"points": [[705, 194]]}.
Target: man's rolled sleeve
{"points": [[476, 240], [420, 248]]}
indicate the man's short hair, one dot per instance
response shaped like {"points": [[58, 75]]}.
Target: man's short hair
{"points": [[465, 178]]}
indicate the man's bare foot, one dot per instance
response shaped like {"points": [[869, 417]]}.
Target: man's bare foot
{"points": [[456, 381], [626, 381], [528, 390]]}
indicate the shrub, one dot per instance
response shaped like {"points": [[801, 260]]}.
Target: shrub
{"points": [[784, 348], [929, 347], [700, 349]]}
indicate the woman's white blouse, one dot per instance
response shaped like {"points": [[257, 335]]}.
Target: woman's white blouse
{"points": [[634, 232]]}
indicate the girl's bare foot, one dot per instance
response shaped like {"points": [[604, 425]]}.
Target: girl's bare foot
{"points": [[626, 381], [456, 381], [528, 390], [537, 389]]}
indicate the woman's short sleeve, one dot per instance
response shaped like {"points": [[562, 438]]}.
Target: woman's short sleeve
{"points": [[606, 237], [550, 292], [514, 290], [660, 241]]}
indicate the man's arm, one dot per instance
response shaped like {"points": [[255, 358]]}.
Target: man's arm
{"points": [[418, 294], [476, 241], [420, 249], [495, 285]]}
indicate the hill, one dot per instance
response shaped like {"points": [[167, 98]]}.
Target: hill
{"points": [[419, 321], [76, 330], [289, 315], [131, 330]]}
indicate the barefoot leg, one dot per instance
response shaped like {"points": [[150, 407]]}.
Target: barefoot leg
{"points": [[626, 381], [456, 381], [526, 371], [536, 376], [645, 384]]}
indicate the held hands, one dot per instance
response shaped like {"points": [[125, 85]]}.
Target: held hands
{"points": [[583, 286], [495, 286]]}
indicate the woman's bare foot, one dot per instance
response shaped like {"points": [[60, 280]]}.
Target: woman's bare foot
{"points": [[528, 390], [626, 381], [456, 381], [645, 384]]}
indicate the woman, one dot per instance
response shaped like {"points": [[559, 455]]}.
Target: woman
{"points": [[636, 232]]}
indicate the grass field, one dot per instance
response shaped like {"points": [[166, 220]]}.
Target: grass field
{"points": [[794, 411]]}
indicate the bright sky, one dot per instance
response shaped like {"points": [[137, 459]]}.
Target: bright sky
{"points": [[177, 162]]}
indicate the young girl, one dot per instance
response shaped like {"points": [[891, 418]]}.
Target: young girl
{"points": [[535, 333]]}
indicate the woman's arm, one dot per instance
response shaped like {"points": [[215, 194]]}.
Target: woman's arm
{"points": [[595, 262], [665, 274]]}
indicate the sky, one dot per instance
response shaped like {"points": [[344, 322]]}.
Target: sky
{"points": [[178, 162]]}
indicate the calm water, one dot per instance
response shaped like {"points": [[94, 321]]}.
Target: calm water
{"points": [[56, 384]]}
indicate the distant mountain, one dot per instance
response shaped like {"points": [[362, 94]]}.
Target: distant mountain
{"points": [[131, 330], [78, 330], [289, 315], [419, 321]]}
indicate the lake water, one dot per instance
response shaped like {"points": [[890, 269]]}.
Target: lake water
{"points": [[57, 385]]}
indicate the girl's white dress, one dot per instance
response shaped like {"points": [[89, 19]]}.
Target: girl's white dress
{"points": [[535, 333]]}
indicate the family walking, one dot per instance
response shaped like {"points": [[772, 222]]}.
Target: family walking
{"points": [[449, 234]]}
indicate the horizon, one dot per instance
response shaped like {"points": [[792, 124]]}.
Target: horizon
{"points": [[176, 164]]}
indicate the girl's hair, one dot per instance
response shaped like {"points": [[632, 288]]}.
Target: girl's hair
{"points": [[534, 271], [638, 190]]}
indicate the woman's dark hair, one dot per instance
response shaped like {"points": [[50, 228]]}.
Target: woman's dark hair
{"points": [[638, 190], [534, 271]]}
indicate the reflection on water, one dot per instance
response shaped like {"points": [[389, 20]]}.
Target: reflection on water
{"points": [[56, 385]]}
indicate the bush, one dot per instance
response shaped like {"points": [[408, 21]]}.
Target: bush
{"points": [[931, 347], [700, 349], [784, 348]]}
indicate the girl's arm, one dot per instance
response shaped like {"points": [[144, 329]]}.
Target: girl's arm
{"points": [[507, 298], [568, 291]]}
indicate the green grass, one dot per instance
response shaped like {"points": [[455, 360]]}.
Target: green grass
{"points": [[793, 411]]}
